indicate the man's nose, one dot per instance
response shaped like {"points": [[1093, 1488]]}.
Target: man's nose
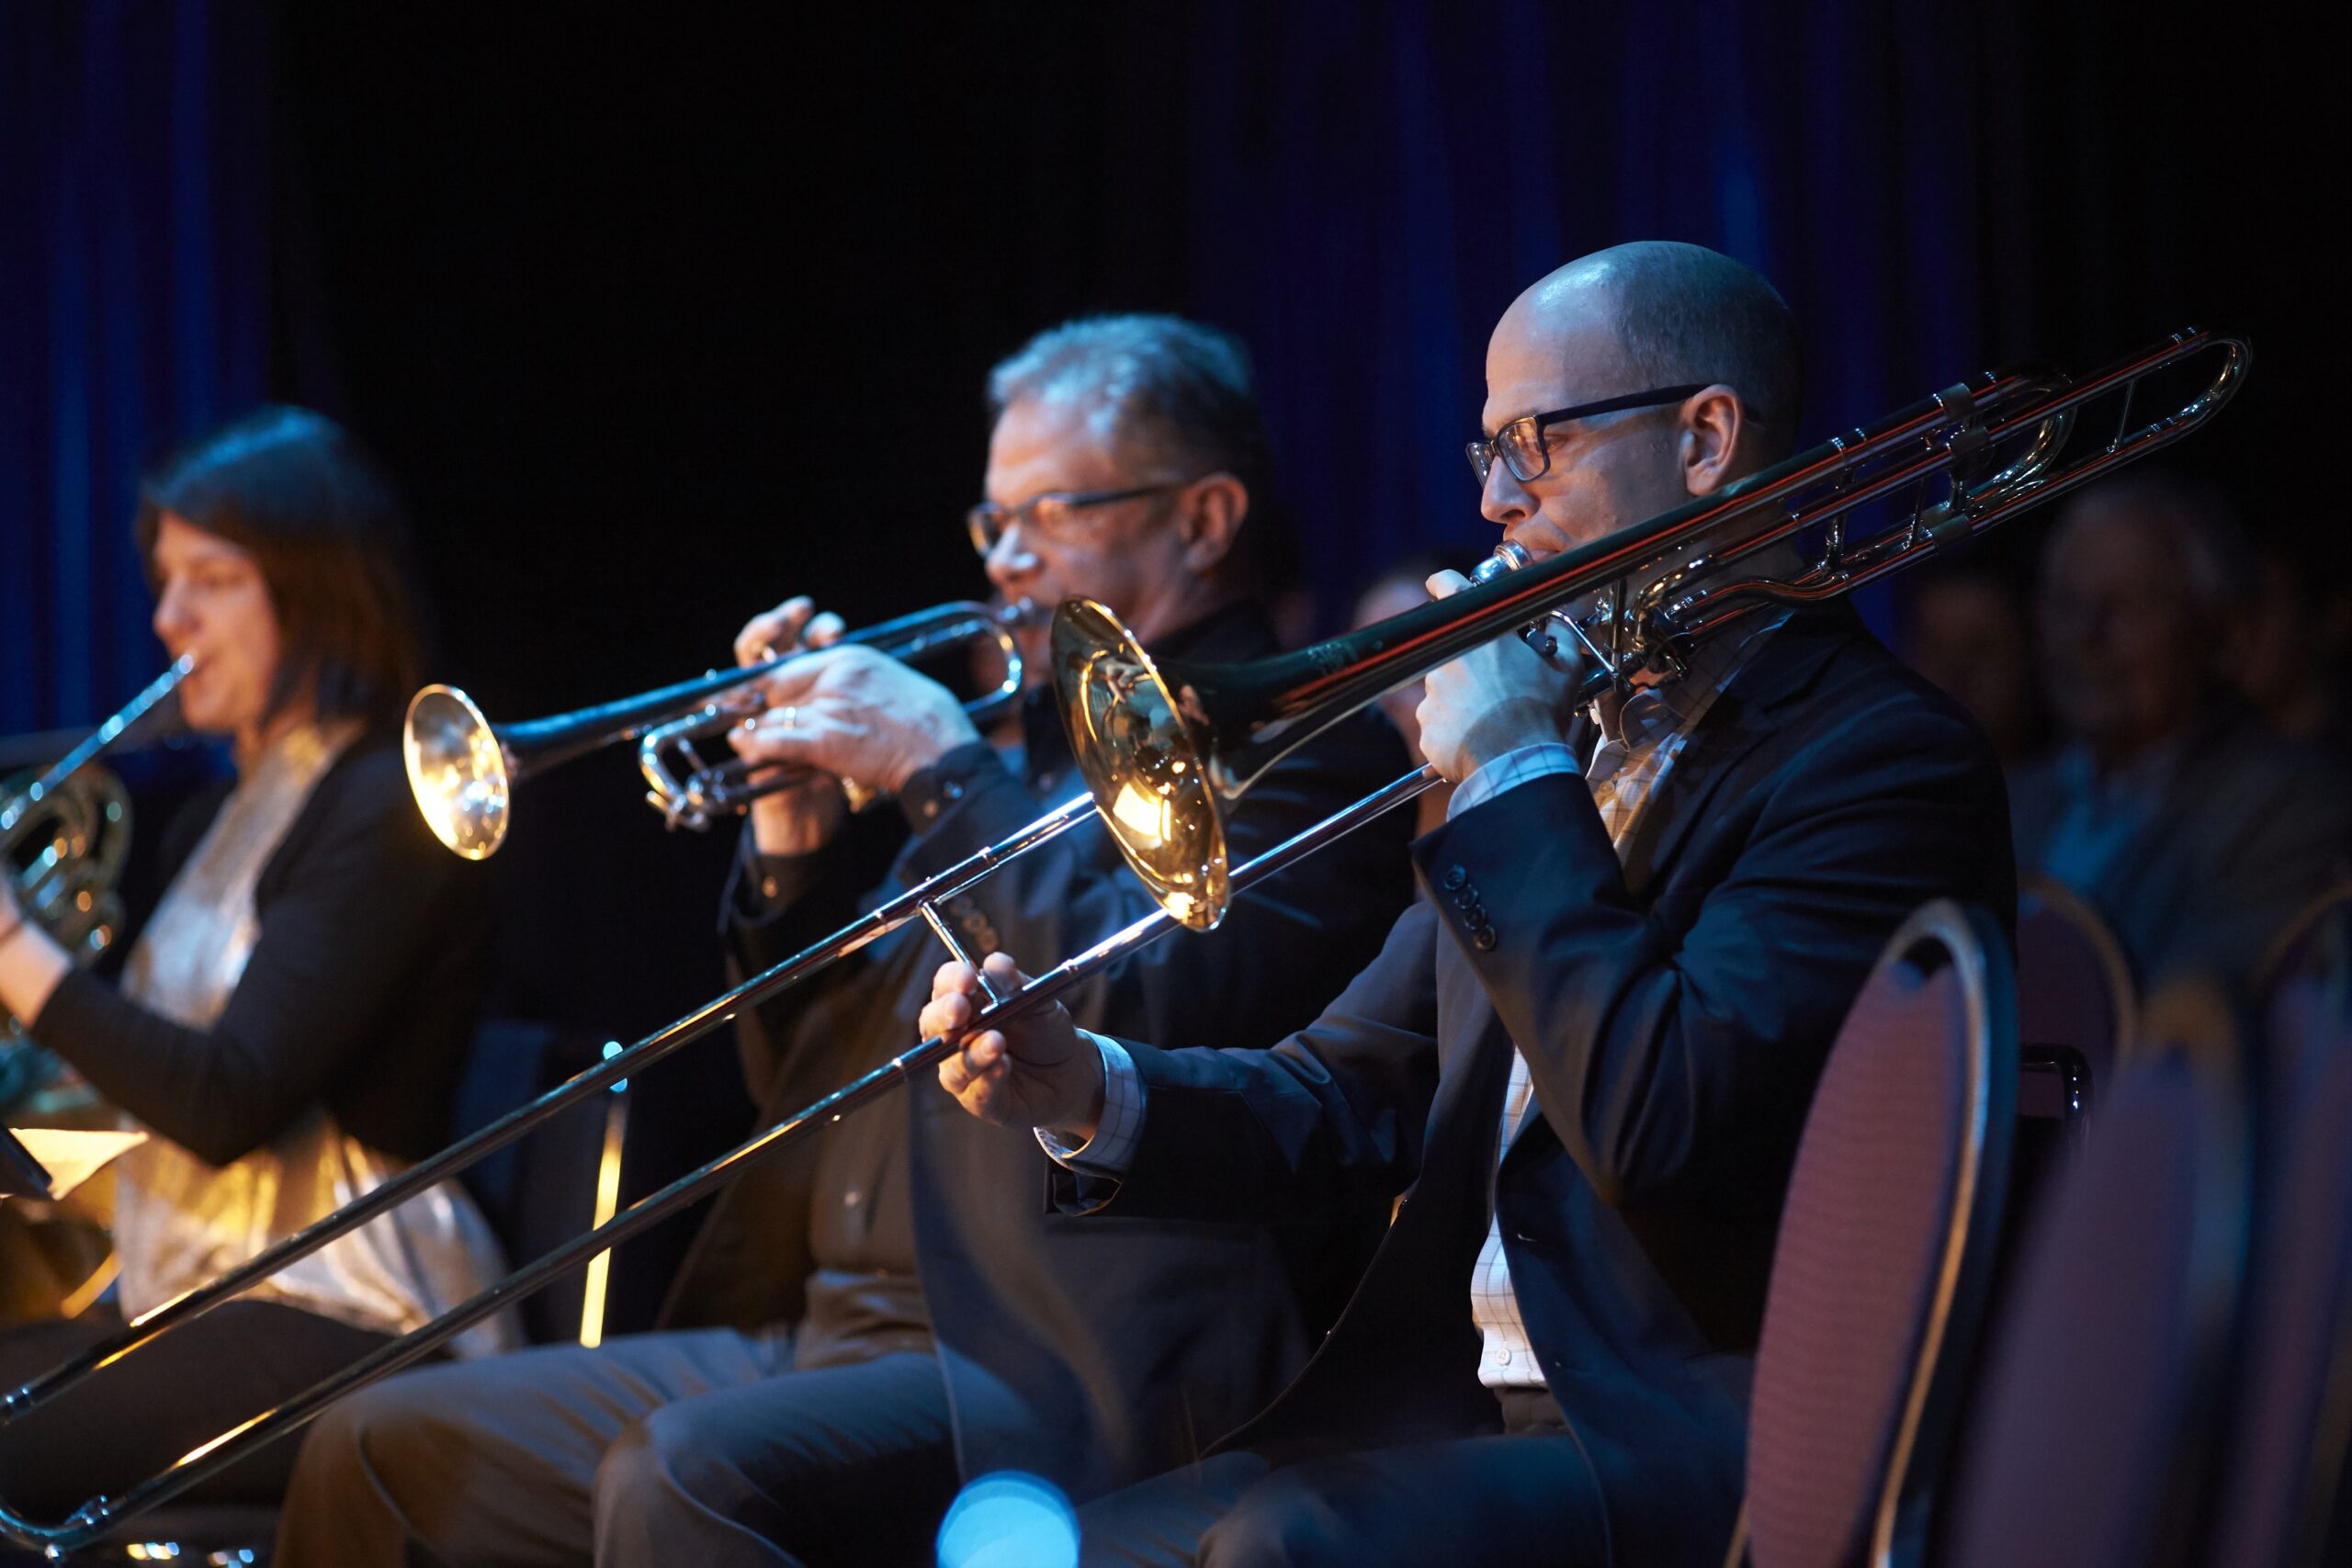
{"points": [[1503, 499], [1009, 558]]}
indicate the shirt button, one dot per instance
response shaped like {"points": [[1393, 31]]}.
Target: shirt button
{"points": [[1455, 877], [850, 1198], [1486, 939], [930, 809], [768, 887]]}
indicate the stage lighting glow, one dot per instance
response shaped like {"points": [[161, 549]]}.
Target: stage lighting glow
{"points": [[1008, 1519]]}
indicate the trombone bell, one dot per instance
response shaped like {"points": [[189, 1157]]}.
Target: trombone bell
{"points": [[1139, 762], [457, 769]]}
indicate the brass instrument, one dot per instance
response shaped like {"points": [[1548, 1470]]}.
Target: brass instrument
{"points": [[1166, 748], [463, 769], [62, 838]]}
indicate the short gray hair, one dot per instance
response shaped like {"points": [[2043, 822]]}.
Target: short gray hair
{"points": [[1173, 393], [1686, 313]]}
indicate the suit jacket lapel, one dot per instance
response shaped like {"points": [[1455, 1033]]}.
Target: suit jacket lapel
{"points": [[1782, 668]]}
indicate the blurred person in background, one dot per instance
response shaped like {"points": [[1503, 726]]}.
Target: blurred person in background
{"points": [[1969, 631], [2169, 802], [2294, 654]]}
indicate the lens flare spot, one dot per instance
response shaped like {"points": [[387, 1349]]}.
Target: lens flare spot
{"points": [[1008, 1520]]}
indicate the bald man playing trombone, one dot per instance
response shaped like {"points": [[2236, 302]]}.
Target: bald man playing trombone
{"points": [[1584, 1055]]}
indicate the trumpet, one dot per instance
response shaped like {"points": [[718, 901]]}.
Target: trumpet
{"points": [[463, 769], [1166, 749]]}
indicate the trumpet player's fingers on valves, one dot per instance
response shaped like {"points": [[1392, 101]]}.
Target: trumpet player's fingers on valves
{"points": [[857, 715], [865, 1310], [791, 626], [291, 1021], [1584, 1055]]}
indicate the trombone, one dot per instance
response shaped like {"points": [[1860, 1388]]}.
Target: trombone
{"points": [[463, 769], [1166, 749]]}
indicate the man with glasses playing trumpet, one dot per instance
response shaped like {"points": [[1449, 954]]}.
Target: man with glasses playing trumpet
{"points": [[1584, 1055], [871, 1317]]}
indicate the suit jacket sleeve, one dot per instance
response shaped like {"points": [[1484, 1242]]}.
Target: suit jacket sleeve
{"points": [[1331, 1116], [1672, 1046]]}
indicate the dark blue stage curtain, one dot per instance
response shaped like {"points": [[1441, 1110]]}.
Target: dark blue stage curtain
{"points": [[133, 312], [1371, 184]]}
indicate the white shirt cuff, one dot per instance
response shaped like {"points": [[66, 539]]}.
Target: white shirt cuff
{"points": [[1512, 768], [1112, 1148]]}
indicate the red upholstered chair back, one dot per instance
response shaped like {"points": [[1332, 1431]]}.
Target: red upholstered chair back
{"points": [[2291, 1433], [2075, 988], [2095, 1433], [1885, 1243]]}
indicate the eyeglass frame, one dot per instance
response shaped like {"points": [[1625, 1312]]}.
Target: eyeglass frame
{"points": [[1482, 451], [982, 525]]}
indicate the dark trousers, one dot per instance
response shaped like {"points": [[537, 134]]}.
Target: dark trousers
{"points": [[1526, 1497], [132, 1420], [703, 1448]]}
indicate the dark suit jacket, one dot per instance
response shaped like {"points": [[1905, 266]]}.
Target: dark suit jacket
{"points": [[1674, 1014], [1094, 1354], [361, 993]]}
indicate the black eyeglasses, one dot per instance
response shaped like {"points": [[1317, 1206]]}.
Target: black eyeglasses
{"points": [[1048, 513], [1528, 457]]}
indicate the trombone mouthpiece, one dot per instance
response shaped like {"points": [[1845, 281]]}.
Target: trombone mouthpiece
{"points": [[1508, 556]]}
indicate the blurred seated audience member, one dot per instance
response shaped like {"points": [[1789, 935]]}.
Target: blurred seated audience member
{"points": [[2169, 804], [1393, 592], [2294, 655], [292, 1020], [1968, 631]]}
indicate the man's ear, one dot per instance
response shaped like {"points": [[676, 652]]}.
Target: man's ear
{"points": [[1211, 519], [1712, 424]]}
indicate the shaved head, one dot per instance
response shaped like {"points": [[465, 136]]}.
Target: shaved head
{"points": [[1636, 318], [1678, 314]]}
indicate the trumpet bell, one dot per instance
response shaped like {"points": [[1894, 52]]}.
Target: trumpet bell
{"points": [[458, 770], [1140, 762]]}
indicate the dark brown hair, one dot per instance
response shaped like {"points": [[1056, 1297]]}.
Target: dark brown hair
{"points": [[305, 499]]}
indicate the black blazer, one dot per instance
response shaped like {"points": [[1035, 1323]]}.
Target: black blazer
{"points": [[1095, 1354], [1674, 1014], [362, 990]]}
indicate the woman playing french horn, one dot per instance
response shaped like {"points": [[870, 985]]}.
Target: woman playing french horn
{"points": [[289, 1026]]}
